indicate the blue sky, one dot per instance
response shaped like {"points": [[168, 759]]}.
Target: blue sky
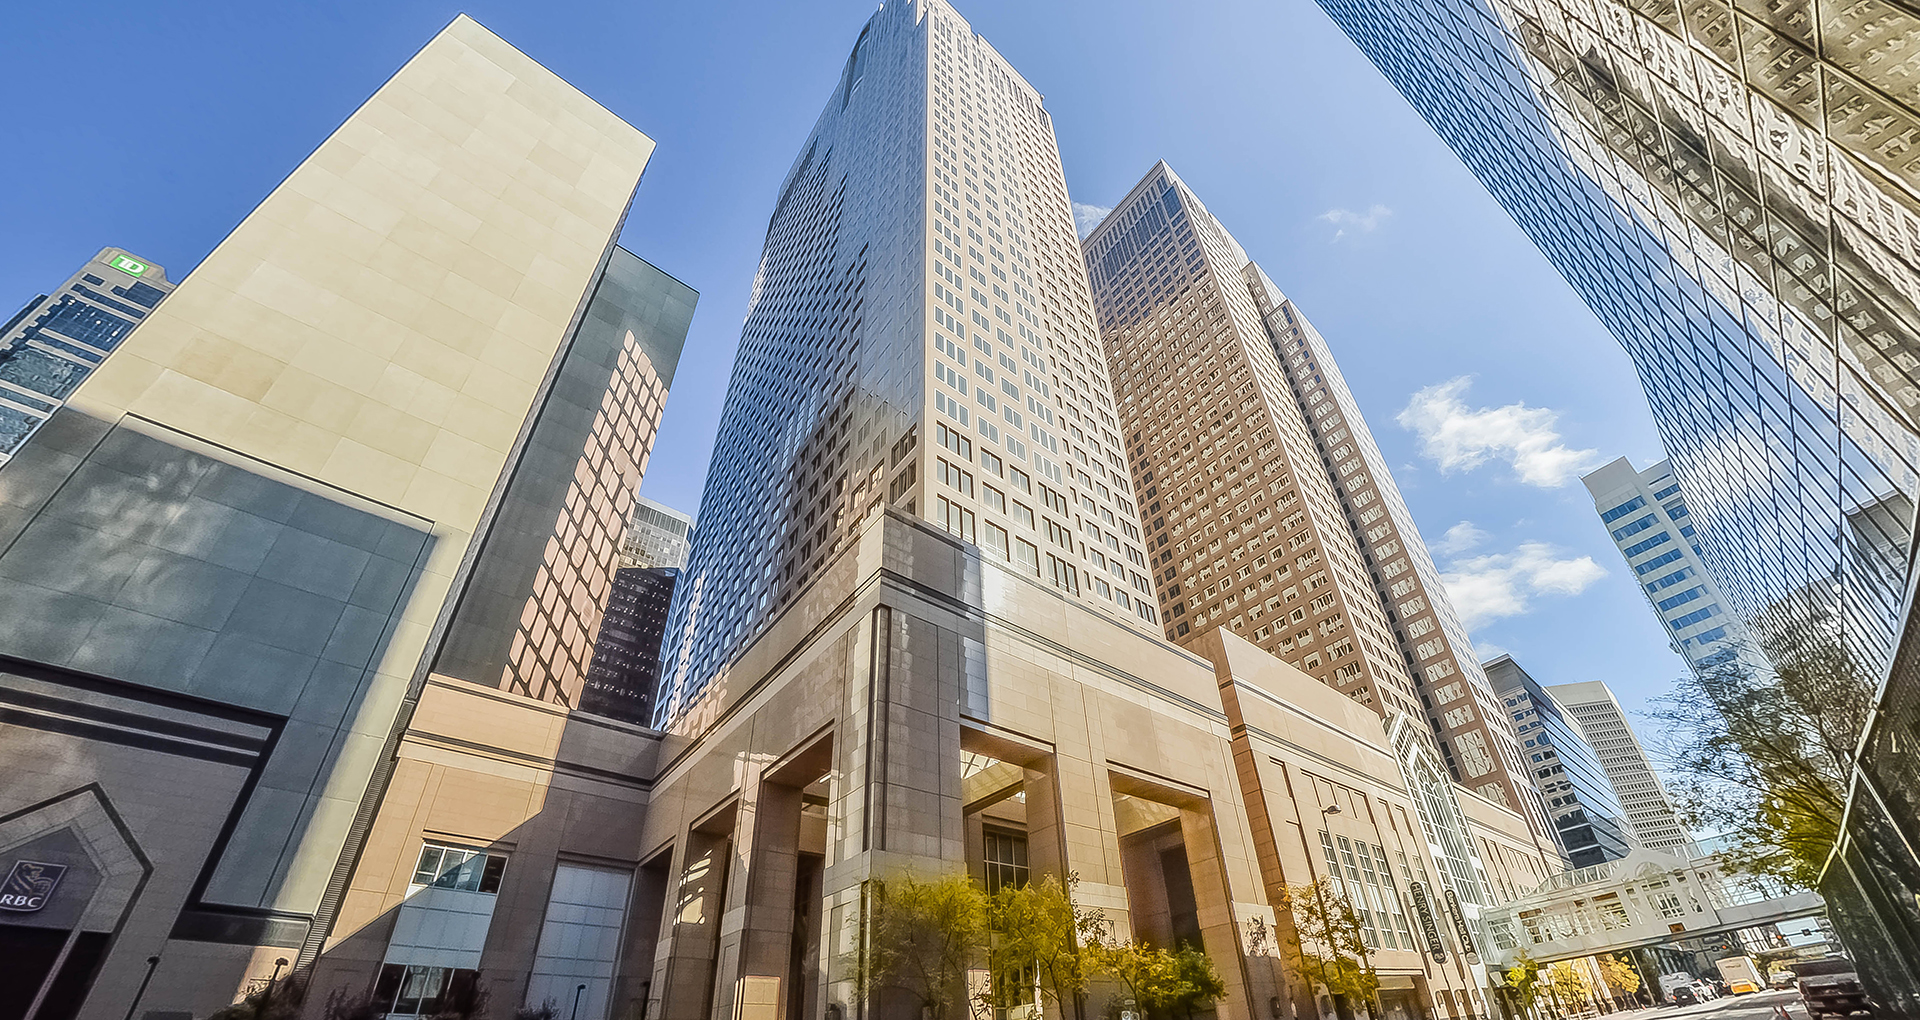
{"points": [[157, 127]]}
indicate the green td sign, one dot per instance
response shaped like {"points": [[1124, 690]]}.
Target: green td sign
{"points": [[129, 265]]}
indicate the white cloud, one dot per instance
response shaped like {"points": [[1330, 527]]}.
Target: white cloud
{"points": [[1488, 651], [1458, 437], [1459, 539], [1496, 585], [1086, 217], [1360, 223]]}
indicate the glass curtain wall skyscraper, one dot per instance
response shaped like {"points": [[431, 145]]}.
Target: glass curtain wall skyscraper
{"points": [[50, 346], [1647, 518], [920, 336], [1732, 188], [1269, 508], [1587, 813], [1604, 723]]}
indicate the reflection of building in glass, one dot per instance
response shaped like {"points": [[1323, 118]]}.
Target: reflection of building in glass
{"points": [[50, 347], [1586, 812], [625, 673], [1646, 515], [920, 336], [1269, 508], [1607, 731], [657, 536], [529, 616], [1732, 188]]}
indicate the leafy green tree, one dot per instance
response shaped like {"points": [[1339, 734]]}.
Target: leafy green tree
{"points": [[1194, 984], [1568, 985], [922, 937], [1039, 931], [1620, 974], [1765, 759], [1142, 970], [1523, 982], [1330, 946]]}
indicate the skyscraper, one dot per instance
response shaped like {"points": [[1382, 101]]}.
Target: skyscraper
{"points": [[1646, 515], [1729, 186], [920, 336], [1732, 188], [657, 536], [1586, 812], [1269, 508], [623, 679], [50, 346], [1605, 725], [411, 385]]}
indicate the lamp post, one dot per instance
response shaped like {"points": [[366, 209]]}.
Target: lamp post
{"points": [[1374, 1009], [152, 962], [576, 1001]]}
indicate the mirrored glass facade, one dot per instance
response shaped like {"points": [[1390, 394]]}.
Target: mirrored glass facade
{"points": [[1647, 518], [1588, 818], [920, 337], [1732, 188]]}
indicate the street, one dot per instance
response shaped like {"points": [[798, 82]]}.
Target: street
{"points": [[1757, 1006]]}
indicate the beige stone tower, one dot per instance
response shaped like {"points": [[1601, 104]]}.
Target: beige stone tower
{"points": [[412, 389]]}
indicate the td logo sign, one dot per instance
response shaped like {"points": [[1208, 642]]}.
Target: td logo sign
{"points": [[129, 265]]}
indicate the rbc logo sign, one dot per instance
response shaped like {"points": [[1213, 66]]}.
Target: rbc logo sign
{"points": [[29, 885]]}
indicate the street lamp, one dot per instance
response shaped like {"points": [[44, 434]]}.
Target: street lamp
{"points": [[1374, 1007], [576, 1001], [152, 962]]}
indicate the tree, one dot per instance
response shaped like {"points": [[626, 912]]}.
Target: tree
{"points": [[1038, 930], [1523, 982], [921, 938], [277, 1000], [1194, 984], [1620, 974], [1329, 933], [1766, 759], [1145, 972], [1568, 985]]}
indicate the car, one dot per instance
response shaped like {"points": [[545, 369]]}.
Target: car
{"points": [[1687, 995], [1830, 987]]}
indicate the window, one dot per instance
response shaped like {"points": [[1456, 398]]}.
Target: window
{"points": [[1006, 860], [993, 498], [1633, 527], [1623, 509], [1020, 481], [989, 462], [1644, 544], [451, 867], [404, 990], [1063, 574], [955, 477], [997, 539], [1027, 555], [954, 518], [1023, 514], [954, 441]]}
